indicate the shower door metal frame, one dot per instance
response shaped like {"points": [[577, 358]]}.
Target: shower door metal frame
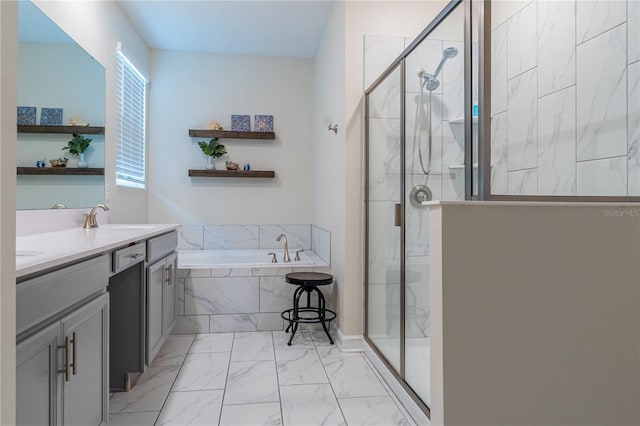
{"points": [[400, 63]]}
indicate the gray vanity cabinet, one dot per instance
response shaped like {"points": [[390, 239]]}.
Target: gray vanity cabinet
{"points": [[155, 283], [161, 290], [62, 353], [62, 370], [36, 383], [169, 294], [85, 395]]}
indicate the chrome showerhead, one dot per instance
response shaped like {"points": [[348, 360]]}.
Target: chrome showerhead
{"points": [[450, 52], [430, 82], [447, 53]]}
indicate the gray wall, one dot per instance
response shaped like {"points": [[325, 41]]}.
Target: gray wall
{"points": [[535, 312]]}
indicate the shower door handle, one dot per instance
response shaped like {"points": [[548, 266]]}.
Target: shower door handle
{"points": [[397, 214]]}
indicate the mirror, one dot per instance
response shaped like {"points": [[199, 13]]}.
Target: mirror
{"points": [[55, 72]]}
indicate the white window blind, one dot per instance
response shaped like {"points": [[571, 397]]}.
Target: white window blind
{"points": [[130, 161]]}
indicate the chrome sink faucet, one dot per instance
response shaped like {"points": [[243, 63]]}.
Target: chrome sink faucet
{"points": [[91, 220], [286, 257]]}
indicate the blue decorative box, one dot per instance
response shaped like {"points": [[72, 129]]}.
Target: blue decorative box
{"points": [[264, 123], [240, 123], [26, 115], [51, 117]]}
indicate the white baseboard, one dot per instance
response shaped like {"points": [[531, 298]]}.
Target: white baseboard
{"points": [[349, 343], [409, 404]]}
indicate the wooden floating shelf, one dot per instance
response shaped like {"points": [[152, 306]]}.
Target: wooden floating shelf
{"points": [[84, 130], [233, 173], [66, 171], [230, 134]]}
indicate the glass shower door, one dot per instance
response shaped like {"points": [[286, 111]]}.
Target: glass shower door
{"points": [[434, 170], [384, 217]]}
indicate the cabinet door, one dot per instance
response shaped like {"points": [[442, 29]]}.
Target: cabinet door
{"points": [[85, 395], [155, 284], [169, 314], [36, 378]]}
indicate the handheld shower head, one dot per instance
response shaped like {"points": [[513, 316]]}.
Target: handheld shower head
{"points": [[450, 52]]}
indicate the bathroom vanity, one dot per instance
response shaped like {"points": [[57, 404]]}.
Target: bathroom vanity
{"points": [[63, 315]]}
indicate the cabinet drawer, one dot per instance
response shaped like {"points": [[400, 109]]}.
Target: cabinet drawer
{"points": [[161, 246], [126, 257], [39, 298]]}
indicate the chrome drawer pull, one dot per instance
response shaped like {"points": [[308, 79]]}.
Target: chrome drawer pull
{"points": [[65, 370]]}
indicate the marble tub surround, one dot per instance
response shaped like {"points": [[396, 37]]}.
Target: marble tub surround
{"points": [[232, 237], [262, 382], [570, 108], [231, 300]]}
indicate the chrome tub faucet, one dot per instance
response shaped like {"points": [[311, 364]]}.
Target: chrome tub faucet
{"points": [[286, 257]]}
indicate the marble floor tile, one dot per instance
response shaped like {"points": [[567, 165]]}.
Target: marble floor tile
{"points": [[352, 377], [377, 410], [251, 382], [215, 342], [252, 346], [174, 350], [302, 339], [148, 394], [202, 372], [334, 351], [134, 419], [320, 337], [192, 408], [310, 405], [299, 367], [265, 414]]}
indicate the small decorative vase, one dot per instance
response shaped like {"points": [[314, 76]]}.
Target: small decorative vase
{"points": [[211, 165], [81, 161]]}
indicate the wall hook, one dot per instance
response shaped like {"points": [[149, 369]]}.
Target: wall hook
{"points": [[334, 128]]}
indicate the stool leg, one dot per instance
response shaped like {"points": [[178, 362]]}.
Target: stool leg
{"points": [[296, 315], [321, 312], [293, 332]]}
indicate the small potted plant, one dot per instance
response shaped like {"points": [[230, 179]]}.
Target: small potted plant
{"points": [[212, 150], [78, 145]]}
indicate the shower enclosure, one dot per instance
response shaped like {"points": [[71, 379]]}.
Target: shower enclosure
{"points": [[415, 154], [494, 100]]}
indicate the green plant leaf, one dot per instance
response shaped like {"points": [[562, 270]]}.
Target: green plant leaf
{"points": [[78, 144], [212, 148]]}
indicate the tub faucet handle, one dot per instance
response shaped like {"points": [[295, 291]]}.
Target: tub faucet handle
{"points": [[298, 254], [273, 259]]}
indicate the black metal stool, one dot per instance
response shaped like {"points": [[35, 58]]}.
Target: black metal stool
{"points": [[308, 282]]}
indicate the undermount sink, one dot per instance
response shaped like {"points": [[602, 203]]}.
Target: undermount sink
{"points": [[28, 252], [127, 227]]}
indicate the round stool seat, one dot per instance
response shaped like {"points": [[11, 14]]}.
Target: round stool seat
{"points": [[309, 278]]}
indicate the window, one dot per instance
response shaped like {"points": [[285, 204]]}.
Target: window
{"points": [[130, 159]]}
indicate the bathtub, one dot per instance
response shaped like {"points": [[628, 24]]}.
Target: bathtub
{"points": [[210, 259]]}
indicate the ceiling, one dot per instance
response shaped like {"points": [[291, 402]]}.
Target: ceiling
{"points": [[268, 28]]}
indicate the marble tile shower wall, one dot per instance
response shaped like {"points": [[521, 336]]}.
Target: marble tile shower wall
{"points": [[566, 99], [241, 299]]}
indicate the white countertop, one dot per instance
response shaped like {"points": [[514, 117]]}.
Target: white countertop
{"points": [[39, 252]]}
